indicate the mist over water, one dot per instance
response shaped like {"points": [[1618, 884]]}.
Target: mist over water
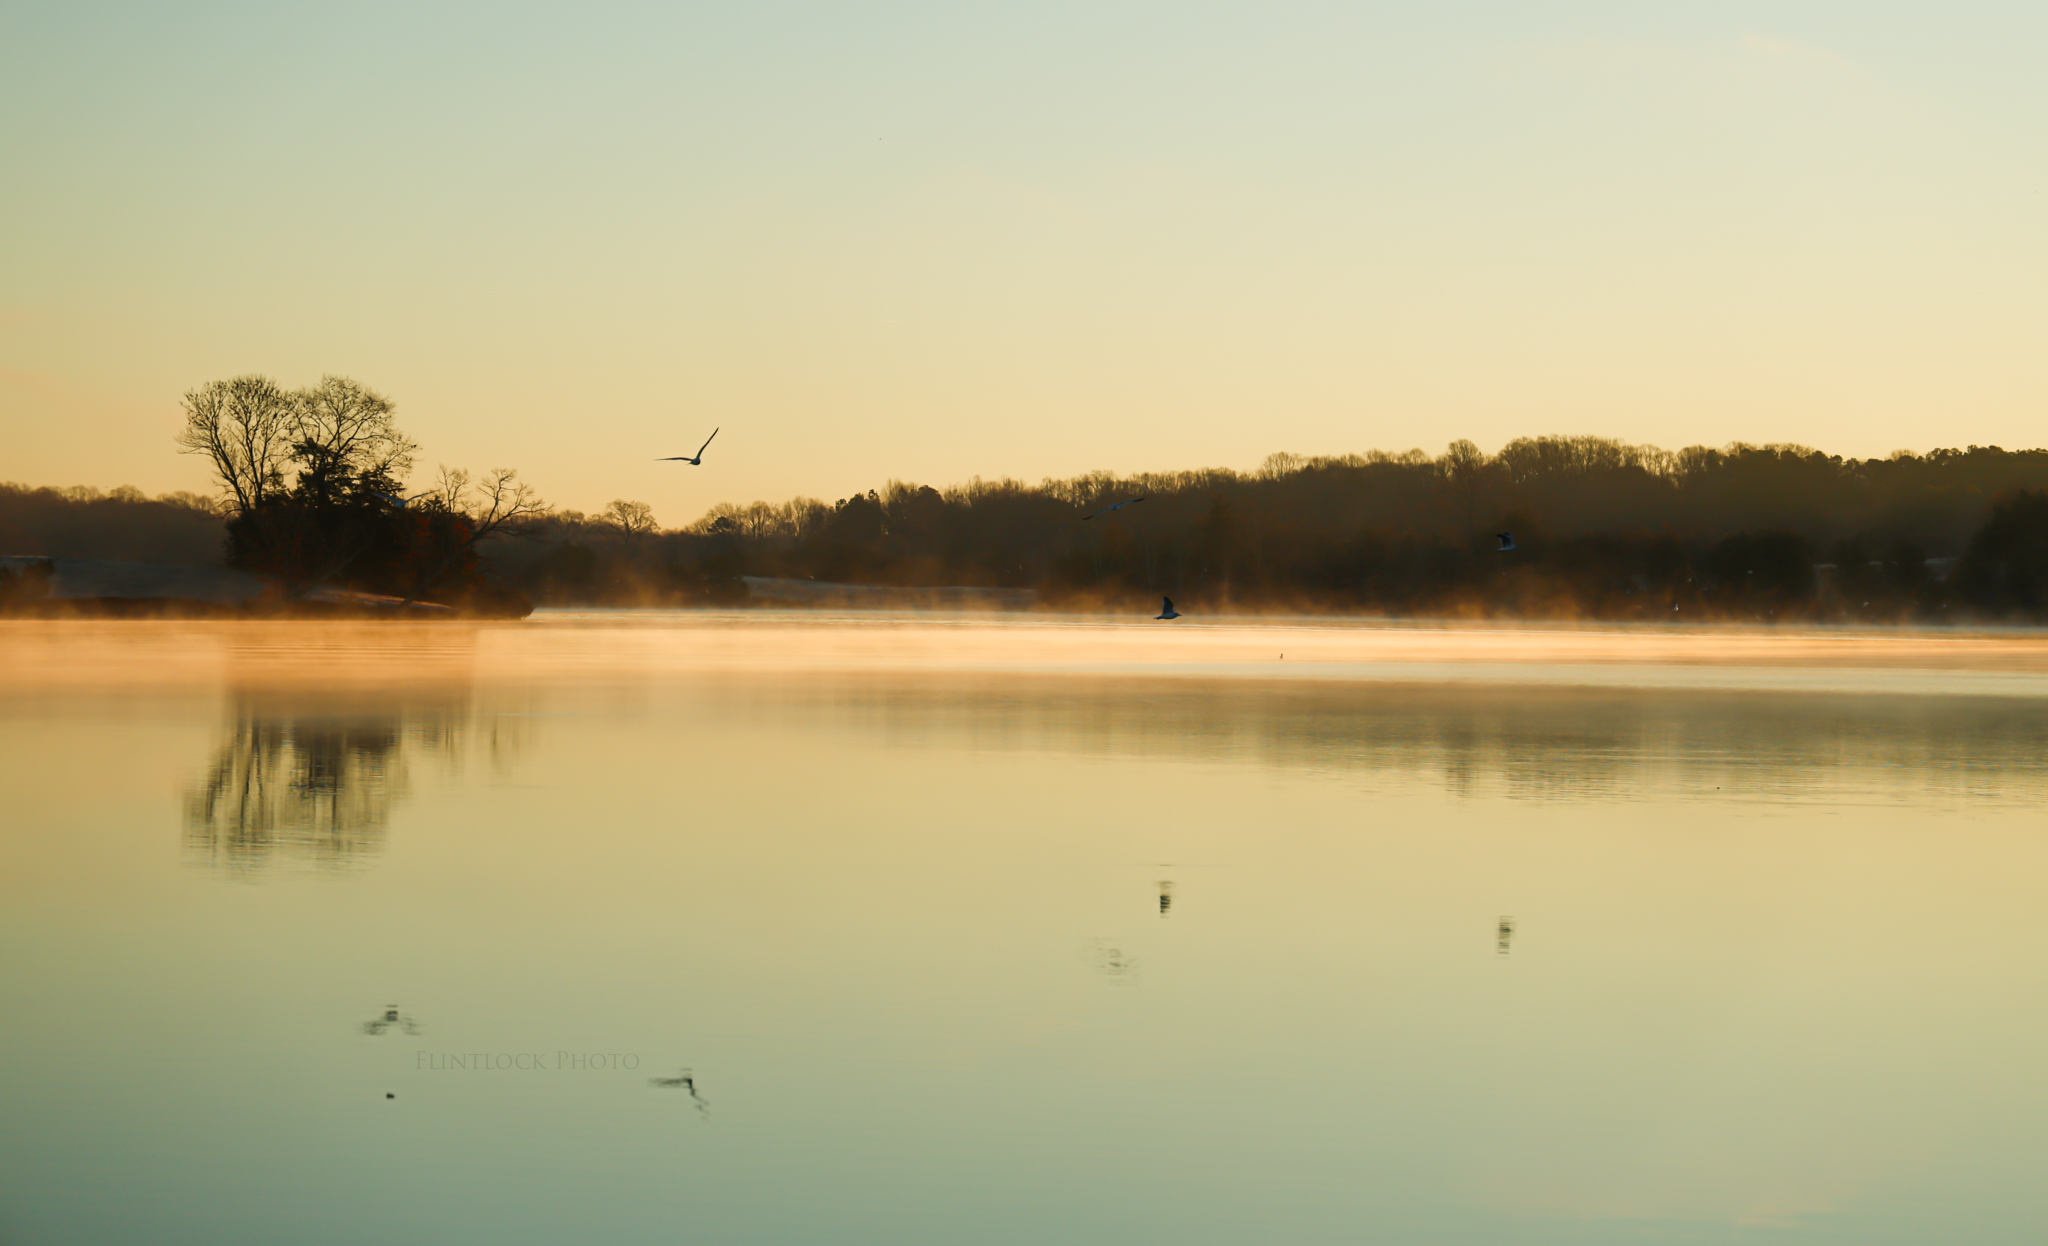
{"points": [[860, 928]]}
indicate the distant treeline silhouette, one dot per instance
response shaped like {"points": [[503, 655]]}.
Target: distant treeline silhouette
{"points": [[183, 529], [1605, 529]]}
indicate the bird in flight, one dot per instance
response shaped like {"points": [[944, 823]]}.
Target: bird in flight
{"points": [[1166, 611], [1507, 542], [402, 503], [694, 460], [1117, 507]]}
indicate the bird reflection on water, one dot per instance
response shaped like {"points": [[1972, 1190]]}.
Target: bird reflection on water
{"points": [[1110, 961], [684, 1080], [1165, 896], [1504, 934], [391, 1020]]}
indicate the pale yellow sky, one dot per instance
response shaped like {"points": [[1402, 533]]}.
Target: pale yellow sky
{"points": [[924, 242]]}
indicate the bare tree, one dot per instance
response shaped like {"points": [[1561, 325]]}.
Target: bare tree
{"points": [[633, 519], [722, 517], [450, 489], [1281, 463], [191, 501], [1466, 467], [350, 425], [501, 504], [246, 427], [762, 519]]}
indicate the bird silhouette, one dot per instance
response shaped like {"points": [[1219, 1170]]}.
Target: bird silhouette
{"points": [[1507, 542], [694, 460], [402, 503], [1166, 611], [1116, 507]]}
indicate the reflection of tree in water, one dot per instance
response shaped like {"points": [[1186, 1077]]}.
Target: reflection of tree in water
{"points": [[317, 778], [1519, 742]]}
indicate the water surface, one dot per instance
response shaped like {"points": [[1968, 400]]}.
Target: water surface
{"points": [[1014, 931]]}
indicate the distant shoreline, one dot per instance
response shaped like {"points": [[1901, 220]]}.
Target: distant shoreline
{"points": [[40, 586]]}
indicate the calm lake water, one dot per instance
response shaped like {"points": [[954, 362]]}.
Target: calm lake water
{"points": [[1019, 931]]}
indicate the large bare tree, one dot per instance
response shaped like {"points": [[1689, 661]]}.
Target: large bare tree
{"points": [[343, 509], [251, 428], [246, 427], [343, 424]]}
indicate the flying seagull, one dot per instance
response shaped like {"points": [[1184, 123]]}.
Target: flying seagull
{"points": [[1167, 611], [1507, 542], [1117, 507], [696, 460]]}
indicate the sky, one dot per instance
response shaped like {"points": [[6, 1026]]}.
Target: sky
{"points": [[930, 241]]}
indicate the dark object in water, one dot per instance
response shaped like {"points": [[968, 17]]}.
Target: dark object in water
{"points": [[389, 1095], [389, 1020], [685, 1080]]}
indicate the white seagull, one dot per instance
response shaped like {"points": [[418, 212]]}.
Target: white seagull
{"points": [[1119, 506], [694, 460], [1507, 542], [1166, 611]]}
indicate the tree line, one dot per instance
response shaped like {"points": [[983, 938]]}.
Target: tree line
{"points": [[310, 492], [1605, 529]]}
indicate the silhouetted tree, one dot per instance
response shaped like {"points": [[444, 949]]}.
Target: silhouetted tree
{"points": [[443, 553], [340, 516], [2005, 569], [1763, 573], [632, 519], [246, 428]]}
